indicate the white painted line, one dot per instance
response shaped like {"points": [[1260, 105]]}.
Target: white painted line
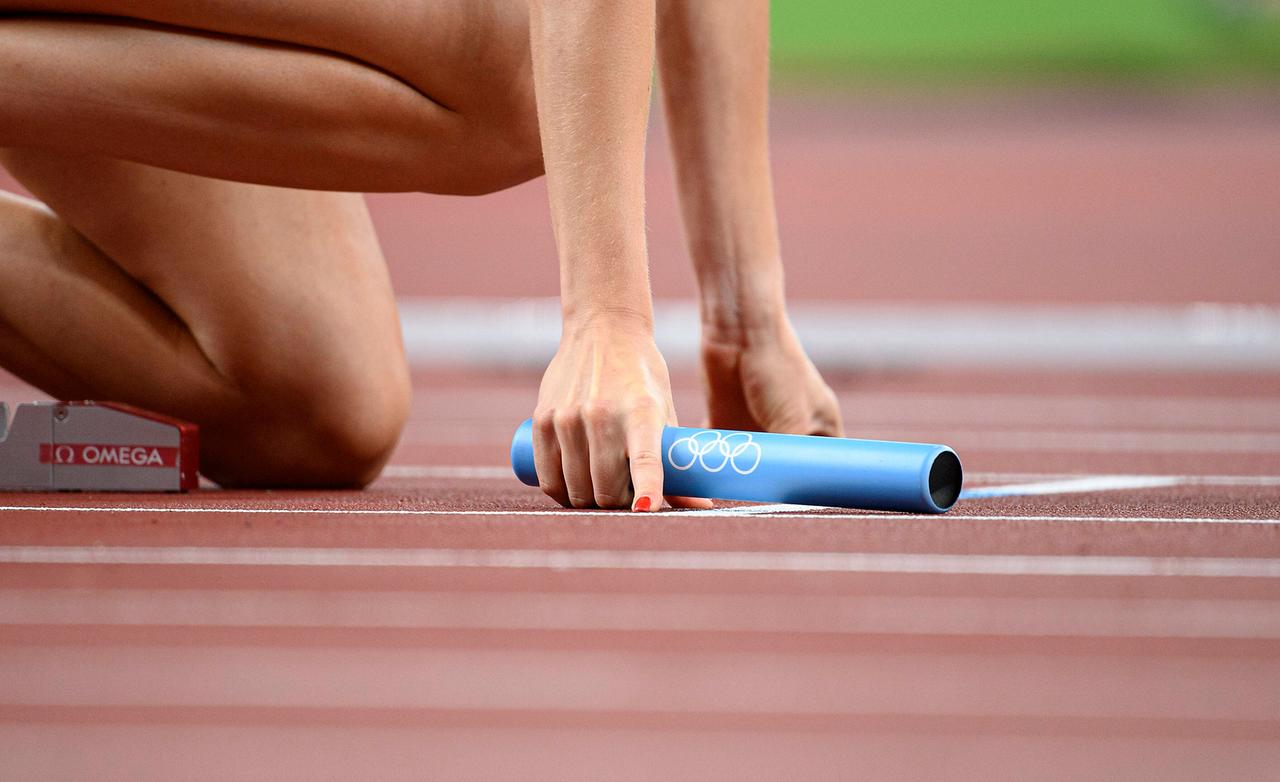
{"points": [[296, 511], [442, 471], [1186, 480], [749, 561], [1230, 480], [753, 510], [491, 472], [1074, 519], [835, 515], [524, 333], [939, 613], [1086, 485]]}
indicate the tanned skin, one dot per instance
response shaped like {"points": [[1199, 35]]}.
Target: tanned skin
{"points": [[190, 252]]}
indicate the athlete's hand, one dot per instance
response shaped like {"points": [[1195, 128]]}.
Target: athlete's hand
{"points": [[597, 429], [762, 380]]}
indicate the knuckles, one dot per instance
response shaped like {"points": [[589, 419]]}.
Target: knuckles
{"points": [[566, 418], [596, 415], [645, 458], [544, 423], [647, 409], [582, 502], [599, 414], [610, 501], [607, 421]]}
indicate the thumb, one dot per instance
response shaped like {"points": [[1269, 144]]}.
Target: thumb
{"points": [[693, 503]]}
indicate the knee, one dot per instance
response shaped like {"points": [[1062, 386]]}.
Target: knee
{"points": [[324, 434], [350, 435]]}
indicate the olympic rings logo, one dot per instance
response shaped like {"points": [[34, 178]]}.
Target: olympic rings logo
{"points": [[713, 451]]}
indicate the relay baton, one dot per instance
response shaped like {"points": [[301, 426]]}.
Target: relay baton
{"points": [[794, 469]]}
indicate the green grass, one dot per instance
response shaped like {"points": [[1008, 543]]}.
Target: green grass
{"points": [[876, 41]]}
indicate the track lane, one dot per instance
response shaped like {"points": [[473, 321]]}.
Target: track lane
{"points": [[218, 672]]}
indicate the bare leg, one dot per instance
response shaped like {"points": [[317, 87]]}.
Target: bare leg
{"points": [[265, 315], [262, 314], [323, 94]]}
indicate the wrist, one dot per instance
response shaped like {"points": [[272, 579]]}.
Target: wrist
{"points": [[635, 318], [606, 288], [742, 308]]}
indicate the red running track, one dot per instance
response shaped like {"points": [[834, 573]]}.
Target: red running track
{"points": [[451, 623]]}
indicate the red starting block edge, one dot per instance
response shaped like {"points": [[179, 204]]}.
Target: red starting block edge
{"points": [[96, 446]]}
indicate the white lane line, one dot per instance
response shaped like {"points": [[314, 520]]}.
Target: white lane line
{"points": [[496, 472], [750, 561], [753, 510], [1187, 480], [1229, 480], [1103, 519], [467, 472], [1088, 484], [937, 614], [567, 514]]}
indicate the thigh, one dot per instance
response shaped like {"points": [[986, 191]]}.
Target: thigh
{"points": [[432, 96], [284, 291], [463, 53]]}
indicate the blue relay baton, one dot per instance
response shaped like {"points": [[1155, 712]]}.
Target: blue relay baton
{"points": [[795, 469]]}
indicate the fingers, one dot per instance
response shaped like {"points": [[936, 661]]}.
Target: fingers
{"points": [[606, 433], [827, 423], [827, 418], [693, 503], [546, 458], [581, 457], [836, 427], [601, 408], [644, 456], [575, 457], [581, 461]]}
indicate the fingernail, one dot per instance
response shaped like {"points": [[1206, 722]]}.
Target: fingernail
{"points": [[642, 505]]}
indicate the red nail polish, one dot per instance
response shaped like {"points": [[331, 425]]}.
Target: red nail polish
{"points": [[642, 505]]}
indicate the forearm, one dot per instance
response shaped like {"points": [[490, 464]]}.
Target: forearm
{"points": [[592, 66], [713, 56]]}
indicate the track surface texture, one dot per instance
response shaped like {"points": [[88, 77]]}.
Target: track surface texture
{"points": [[1105, 604]]}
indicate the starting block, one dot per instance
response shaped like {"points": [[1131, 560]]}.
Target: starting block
{"points": [[95, 446]]}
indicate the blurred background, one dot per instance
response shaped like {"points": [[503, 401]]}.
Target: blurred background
{"points": [[1038, 42], [1029, 183], [1044, 232], [1020, 183]]}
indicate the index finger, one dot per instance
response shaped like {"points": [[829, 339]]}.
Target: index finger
{"points": [[644, 453], [644, 458]]}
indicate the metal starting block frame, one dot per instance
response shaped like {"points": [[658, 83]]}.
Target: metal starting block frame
{"points": [[95, 446]]}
